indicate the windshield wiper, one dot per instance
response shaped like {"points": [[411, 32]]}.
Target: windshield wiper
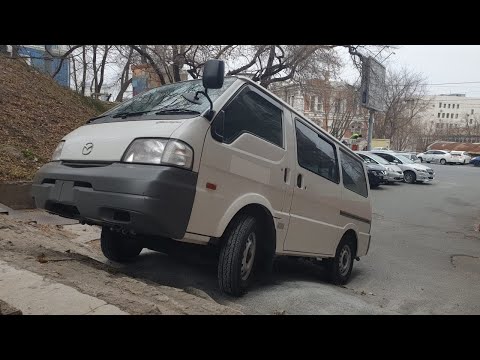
{"points": [[177, 111], [128, 114]]}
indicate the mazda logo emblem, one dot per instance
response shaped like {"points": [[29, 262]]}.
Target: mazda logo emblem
{"points": [[87, 149]]}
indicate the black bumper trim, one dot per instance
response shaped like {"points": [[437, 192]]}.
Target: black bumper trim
{"points": [[147, 199]]}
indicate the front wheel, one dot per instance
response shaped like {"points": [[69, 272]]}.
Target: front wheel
{"points": [[340, 267], [443, 161], [119, 247], [237, 256], [409, 177]]}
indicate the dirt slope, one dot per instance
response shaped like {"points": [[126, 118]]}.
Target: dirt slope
{"points": [[35, 113]]}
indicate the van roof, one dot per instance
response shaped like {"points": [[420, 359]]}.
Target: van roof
{"points": [[256, 85]]}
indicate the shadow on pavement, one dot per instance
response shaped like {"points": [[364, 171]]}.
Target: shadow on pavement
{"points": [[190, 270]]}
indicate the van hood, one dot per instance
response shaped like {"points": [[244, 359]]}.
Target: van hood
{"points": [[108, 141]]}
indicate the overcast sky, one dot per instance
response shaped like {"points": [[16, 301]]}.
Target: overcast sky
{"points": [[440, 64]]}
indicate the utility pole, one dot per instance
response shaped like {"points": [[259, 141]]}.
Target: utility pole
{"points": [[370, 130]]}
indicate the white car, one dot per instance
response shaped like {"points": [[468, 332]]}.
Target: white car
{"points": [[412, 172], [460, 157], [441, 156]]}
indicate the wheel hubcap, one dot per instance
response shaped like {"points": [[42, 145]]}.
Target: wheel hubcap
{"points": [[408, 177], [248, 256], [345, 259]]}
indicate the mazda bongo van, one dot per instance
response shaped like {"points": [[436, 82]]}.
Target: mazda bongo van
{"points": [[220, 162]]}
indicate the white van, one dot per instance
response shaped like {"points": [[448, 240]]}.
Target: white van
{"points": [[222, 162]]}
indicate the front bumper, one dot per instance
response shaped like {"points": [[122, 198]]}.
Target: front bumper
{"points": [[425, 177], [147, 199], [394, 176]]}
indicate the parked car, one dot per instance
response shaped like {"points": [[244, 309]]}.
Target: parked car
{"points": [[377, 174], [394, 173], [460, 157], [235, 168], [441, 156], [475, 161], [412, 172]]}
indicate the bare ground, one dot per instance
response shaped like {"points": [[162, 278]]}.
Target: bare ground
{"points": [[63, 256]]}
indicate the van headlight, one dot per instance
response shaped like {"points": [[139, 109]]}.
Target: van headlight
{"points": [[160, 152], [58, 151]]}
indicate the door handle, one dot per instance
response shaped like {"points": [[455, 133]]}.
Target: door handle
{"points": [[285, 174], [299, 181]]}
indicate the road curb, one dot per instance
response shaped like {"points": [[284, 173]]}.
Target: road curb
{"points": [[7, 309]]}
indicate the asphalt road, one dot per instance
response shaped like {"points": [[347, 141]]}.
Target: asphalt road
{"points": [[424, 259]]}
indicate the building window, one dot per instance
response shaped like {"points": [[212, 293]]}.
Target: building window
{"points": [[472, 112], [449, 106], [319, 104], [448, 115], [292, 100], [440, 105], [444, 105], [313, 100], [471, 121], [438, 115], [437, 125], [451, 115], [458, 105], [456, 116], [443, 115]]}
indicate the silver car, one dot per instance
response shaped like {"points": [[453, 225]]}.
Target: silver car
{"points": [[412, 172], [394, 173]]}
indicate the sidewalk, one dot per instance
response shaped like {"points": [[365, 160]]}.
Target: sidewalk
{"points": [[32, 294]]}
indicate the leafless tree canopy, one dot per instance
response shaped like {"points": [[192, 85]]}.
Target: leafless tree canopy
{"points": [[404, 103]]}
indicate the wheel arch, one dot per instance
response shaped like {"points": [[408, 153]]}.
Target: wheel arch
{"points": [[263, 214]]}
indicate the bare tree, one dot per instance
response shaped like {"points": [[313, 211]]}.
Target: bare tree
{"points": [[404, 102]]}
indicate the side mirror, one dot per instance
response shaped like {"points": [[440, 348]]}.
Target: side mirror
{"points": [[213, 74]]}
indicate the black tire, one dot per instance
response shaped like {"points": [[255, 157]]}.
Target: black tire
{"points": [[118, 247], [409, 177], [421, 159], [443, 161], [339, 272], [234, 244]]}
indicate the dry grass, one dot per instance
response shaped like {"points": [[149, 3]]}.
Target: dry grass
{"points": [[35, 113]]}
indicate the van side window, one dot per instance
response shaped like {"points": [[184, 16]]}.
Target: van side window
{"points": [[353, 174], [252, 113], [316, 154]]}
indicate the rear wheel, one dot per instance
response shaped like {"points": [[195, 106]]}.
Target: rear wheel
{"points": [[443, 161], [409, 177], [119, 247], [340, 267], [238, 255]]}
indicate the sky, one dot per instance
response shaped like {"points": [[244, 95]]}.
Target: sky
{"points": [[439, 64]]}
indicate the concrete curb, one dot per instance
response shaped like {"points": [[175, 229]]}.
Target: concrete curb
{"points": [[7, 309], [17, 195]]}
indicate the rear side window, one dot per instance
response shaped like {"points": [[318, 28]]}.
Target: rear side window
{"points": [[252, 113], [315, 153], [353, 174]]}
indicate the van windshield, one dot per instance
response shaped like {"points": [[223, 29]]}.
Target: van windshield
{"points": [[166, 99]]}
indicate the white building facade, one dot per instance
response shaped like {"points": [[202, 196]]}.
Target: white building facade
{"points": [[450, 112]]}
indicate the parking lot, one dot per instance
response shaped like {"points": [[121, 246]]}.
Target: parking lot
{"points": [[424, 259]]}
